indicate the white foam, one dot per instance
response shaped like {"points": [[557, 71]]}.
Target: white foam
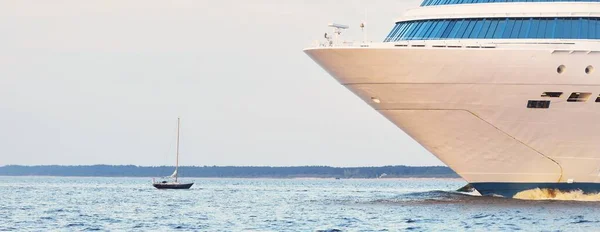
{"points": [[555, 194], [474, 192]]}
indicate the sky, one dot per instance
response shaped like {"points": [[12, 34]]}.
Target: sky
{"points": [[103, 82]]}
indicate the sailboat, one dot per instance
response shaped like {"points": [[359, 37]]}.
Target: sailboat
{"points": [[173, 183]]}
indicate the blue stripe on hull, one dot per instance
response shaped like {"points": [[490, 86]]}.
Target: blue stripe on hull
{"points": [[511, 189]]}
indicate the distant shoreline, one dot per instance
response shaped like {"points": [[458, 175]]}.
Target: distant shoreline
{"points": [[291, 172], [253, 178]]}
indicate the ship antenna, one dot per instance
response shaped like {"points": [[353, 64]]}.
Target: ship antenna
{"points": [[363, 27], [337, 31]]}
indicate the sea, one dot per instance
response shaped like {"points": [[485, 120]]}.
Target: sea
{"points": [[324, 205]]}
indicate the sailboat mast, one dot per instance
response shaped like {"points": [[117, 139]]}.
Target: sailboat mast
{"points": [[177, 159]]}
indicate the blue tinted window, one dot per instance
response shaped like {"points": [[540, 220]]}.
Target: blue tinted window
{"points": [[398, 30], [439, 29], [408, 28], [584, 28], [401, 31], [533, 28], [428, 30], [484, 28], [592, 28], [500, 29], [448, 29], [492, 29], [413, 30], [419, 33], [550, 28], [541, 28], [456, 29], [525, 27], [559, 27], [565, 28], [469, 28], [477, 29], [410, 34], [431, 30], [510, 25], [517, 27], [497, 28], [575, 29], [596, 22], [393, 32], [429, 26], [462, 29]]}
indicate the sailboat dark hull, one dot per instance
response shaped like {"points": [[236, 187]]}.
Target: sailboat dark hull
{"points": [[172, 185]]}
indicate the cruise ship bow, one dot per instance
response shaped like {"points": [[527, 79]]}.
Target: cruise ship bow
{"points": [[504, 93]]}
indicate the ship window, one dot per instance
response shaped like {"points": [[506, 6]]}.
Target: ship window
{"points": [[598, 98], [579, 97], [533, 104], [498, 28], [561, 69], [552, 94], [589, 69]]}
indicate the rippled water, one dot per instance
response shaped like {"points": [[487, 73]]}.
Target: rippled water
{"points": [[131, 204]]}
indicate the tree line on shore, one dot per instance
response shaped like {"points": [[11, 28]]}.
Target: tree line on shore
{"points": [[230, 171]]}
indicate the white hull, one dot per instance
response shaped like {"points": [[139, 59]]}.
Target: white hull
{"points": [[468, 106]]}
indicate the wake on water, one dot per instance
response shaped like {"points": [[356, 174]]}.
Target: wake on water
{"points": [[474, 197], [542, 194], [538, 194], [555, 194]]}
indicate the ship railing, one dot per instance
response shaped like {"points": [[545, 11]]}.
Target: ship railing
{"points": [[331, 43]]}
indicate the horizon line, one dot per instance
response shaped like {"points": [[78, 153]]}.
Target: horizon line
{"points": [[249, 166]]}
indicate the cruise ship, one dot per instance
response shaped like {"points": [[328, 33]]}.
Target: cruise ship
{"points": [[504, 92]]}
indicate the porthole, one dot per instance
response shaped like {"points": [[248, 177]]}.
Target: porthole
{"points": [[538, 104], [376, 100], [589, 69], [579, 97], [561, 69]]}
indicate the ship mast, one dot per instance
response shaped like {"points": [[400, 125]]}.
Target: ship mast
{"points": [[177, 151]]}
